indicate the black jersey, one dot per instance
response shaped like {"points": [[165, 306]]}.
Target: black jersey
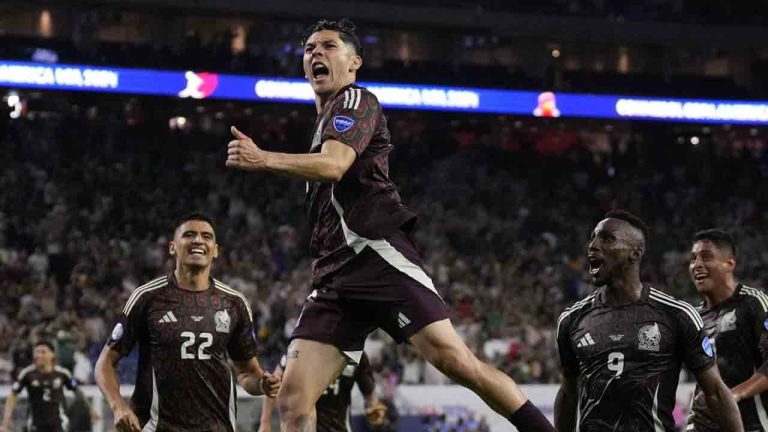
{"points": [[334, 404], [628, 359], [738, 330], [186, 338], [46, 397]]}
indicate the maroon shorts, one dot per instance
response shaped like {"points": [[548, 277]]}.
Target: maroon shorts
{"points": [[383, 286]]}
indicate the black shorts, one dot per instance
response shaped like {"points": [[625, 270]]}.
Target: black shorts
{"points": [[384, 286]]}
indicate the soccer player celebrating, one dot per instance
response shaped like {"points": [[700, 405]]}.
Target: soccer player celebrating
{"points": [[333, 406], [187, 325], [621, 347], [366, 270], [45, 383], [735, 318]]}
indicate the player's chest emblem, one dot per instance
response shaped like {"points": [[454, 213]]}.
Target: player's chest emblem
{"points": [[727, 322], [197, 318], [649, 338], [56, 383], [35, 383], [585, 341], [616, 337], [222, 321]]}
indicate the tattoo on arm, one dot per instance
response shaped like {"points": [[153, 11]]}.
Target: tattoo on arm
{"points": [[293, 354]]}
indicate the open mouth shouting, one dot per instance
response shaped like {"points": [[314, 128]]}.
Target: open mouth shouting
{"points": [[320, 71], [595, 264]]}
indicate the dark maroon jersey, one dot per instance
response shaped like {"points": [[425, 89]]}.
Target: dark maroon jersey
{"points": [[333, 407], [364, 204], [628, 358], [185, 338], [738, 330], [46, 397]]}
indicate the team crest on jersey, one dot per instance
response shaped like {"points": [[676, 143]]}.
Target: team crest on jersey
{"points": [[649, 337], [727, 322], [222, 321], [117, 332], [35, 383], [342, 123], [706, 345], [56, 382]]}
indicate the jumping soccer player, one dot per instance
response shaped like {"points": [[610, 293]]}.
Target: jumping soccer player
{"points": [[367, 272], [621, 347], [188, 325]]}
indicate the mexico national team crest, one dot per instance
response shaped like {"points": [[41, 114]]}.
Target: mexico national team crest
{"points": [[342, 123], [649, 337], [727, 322], [222, 321]]}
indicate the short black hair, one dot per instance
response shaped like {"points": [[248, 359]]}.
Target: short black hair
{"points": [[631, 219], [195, 215], [722, 239], [45, 343], [345, 27]]}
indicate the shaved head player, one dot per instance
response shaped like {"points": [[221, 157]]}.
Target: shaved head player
{"points": [[188, 326], [621, 348], [366, 271]]}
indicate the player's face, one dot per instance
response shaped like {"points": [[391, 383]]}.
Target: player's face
{"points": [[608, 251], [329, 63], [194, 244], [709, 266], [43, 356]]}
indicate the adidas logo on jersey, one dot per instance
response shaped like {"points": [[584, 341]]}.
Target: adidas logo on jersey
{"points": [[168, 318], [402, 320], [585, 341]]}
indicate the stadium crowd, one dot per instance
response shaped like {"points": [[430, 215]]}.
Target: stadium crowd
{"points": [[89, 188]]}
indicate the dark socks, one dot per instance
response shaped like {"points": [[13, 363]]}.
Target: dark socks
{"points": [[528, 418]]}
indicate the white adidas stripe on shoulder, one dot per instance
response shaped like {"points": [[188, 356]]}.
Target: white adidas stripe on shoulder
{"points": [[576, 306], [668, 300], [25, 371], [229, 290], [63, 370], [140, 291], [754, 292], [352, 97]]}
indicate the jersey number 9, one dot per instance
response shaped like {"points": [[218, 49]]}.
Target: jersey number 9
{"points": [[616, 363]]}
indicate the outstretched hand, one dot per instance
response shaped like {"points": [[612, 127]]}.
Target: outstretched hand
{"points": [[244, 154]]}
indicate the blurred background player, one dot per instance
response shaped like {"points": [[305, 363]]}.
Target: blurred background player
{"points": [[333, 407], [45, 382], [736, 319], [621, 347], [367, 272], [188, 326]]}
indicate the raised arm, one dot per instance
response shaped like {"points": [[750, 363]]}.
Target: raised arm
{"points": [[330, 164], [719, 399]]}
